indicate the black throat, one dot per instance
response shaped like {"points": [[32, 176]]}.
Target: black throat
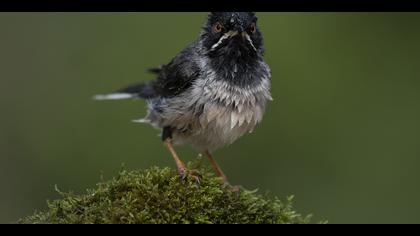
{"points": [[238, 67]]}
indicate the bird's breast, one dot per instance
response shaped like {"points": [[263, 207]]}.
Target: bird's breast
{"points": [[212, 113], [225, 112]]}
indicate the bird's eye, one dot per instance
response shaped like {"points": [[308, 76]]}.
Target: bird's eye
{"points": [[218, 27], [252, 28]]}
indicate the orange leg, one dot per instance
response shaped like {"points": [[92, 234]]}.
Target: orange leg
{"points": [[182, 170], [179, 164], [216, 167]]}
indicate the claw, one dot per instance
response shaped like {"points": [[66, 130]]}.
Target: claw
{"points": [[194, 174], [236, 188]]}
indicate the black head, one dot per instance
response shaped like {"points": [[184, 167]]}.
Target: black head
{"points": [[233, 34]]}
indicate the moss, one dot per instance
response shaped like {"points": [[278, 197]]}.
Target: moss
{"points": [[159, 195]]}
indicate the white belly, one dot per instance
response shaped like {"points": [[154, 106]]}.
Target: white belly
{"points": [[211, 114], [219, 126]]}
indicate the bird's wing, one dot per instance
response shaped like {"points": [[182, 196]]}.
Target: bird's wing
{"points": [[172, 79], [178, 75]]}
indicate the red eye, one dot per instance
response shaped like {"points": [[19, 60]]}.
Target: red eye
{"points": [[252, 28], [217, 28]]}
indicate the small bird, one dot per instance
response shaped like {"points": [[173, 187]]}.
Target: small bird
{"points": [[212, 92]]}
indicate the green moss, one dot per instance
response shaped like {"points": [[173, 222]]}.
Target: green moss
{"points": [[160, 196]]}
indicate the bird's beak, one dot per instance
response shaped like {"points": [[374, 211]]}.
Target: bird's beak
{"points": [[241, 34], [231, 33]]}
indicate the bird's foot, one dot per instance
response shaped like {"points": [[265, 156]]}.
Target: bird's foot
{"points": [[235, 188], [193, 174]]}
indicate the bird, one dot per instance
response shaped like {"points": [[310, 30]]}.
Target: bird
{"points": [[211, 93]]}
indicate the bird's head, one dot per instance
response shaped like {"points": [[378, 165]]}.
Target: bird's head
{"points": [[232, 34]]}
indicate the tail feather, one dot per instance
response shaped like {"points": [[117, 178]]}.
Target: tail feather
{"points": [[113, 96], [143, 90], [156, 70]]}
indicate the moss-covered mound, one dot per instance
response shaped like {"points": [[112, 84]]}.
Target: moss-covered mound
{"points": [[160, 196]]}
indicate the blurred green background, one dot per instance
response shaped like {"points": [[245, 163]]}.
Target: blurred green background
{"points": [[342, 135]]}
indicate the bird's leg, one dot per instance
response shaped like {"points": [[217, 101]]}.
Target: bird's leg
{"points": [[179, 164], [216, 167], [167, 140]]}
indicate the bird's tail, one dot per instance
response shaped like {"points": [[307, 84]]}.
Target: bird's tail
{"points": [[142, 90]]}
